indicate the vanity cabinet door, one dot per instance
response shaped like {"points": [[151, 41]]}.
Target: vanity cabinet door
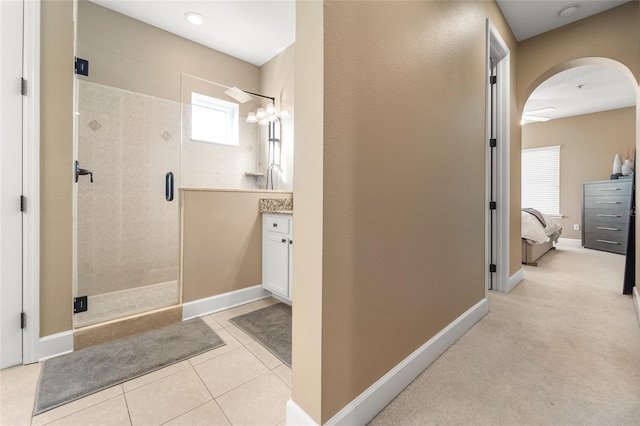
{"points": [[275, 263]]}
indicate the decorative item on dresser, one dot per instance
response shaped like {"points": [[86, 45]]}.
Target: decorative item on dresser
{"points": [[606, 213]]}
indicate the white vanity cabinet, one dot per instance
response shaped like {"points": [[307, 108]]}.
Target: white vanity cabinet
{"points": [[277, 238]]}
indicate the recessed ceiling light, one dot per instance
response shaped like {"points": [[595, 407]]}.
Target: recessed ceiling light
{"points": [[567, 11], [194, 18]]}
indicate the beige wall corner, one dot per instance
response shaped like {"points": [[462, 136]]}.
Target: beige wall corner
{"points": [[308, 224], [56, 153]]}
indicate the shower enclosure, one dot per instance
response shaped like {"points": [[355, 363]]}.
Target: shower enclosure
{"points": [[126, 179]]}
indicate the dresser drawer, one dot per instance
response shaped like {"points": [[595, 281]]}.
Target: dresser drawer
{"points": [[276, 223], [610, 215], [607, 188], [607, 201], [593, 241], [607, 231]]}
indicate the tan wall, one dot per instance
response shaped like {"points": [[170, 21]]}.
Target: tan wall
{"points": [[402, 188], [612, 34], [132, 55], [307, 226], [56, 153], [221, 241], [589, 143]]}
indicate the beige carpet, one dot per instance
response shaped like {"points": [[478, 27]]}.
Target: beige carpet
{"points": [[562, 349]]}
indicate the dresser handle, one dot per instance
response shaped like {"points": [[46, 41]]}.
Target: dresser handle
{"points": [[608, 215], [608, 229], [607, 202], [609, 189], [608, 242]]}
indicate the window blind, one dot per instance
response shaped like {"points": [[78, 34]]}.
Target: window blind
{"points": [[541, 179]]}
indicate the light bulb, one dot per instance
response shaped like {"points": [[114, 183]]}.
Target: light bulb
{"points": [[251, 118], [271, 109], [260, 113]]}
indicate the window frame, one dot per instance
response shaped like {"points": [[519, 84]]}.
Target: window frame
{"points": [[232, 111]]}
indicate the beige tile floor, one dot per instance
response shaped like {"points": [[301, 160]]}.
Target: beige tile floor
{"points": [[240, 383]]}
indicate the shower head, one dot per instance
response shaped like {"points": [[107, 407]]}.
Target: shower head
{"points": [[238, 94]]}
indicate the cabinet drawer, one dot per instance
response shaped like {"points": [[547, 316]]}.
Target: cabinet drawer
{"points": [[595, 242], [608, 201], [607, 188], [274, 223], [607, 231], [613, 215]]}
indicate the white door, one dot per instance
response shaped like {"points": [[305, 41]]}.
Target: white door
{"points": [[11, 19], [275, 276]]}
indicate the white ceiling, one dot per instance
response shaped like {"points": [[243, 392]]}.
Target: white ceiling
{"points": [[528, 18], [604, 88], [252, 30], [257, 30]]}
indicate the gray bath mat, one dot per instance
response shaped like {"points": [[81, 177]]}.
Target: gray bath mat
{"points": [[271, 327], [75, 375]]}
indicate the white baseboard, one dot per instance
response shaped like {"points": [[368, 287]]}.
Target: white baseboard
{"points": [[636, 301], [515, 279], [369, 403], [54, 345], [224, 301]]}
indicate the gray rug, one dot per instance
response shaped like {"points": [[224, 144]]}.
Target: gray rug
{"points": [[271, 327], [72, 376]]}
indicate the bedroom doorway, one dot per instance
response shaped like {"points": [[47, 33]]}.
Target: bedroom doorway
{"points": [[497, 162]]}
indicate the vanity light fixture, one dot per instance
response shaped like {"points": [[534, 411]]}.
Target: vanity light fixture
{"points": [[194, 18], [263, 115]]}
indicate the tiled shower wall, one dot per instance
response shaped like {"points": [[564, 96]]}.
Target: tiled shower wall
{"points": [[127, 231]]}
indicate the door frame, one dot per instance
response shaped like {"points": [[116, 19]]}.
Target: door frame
{"points": [[31, 181], [497, 50]]}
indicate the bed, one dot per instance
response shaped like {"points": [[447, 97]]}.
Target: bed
{"points": [[539, 234]]}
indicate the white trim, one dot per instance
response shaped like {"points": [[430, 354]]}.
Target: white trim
{"points": [[515, 279], [496, 47], [54, 345], [296, 416], [369, 403], [636, 301], [224, 301], [31, 183]]}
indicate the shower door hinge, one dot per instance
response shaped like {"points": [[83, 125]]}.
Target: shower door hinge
{"points": [[493, 205], [80, 304], [82, 66], [493, 268], [493, 79], [493, 142], [23, 320], [23, 86], [23, 204]]}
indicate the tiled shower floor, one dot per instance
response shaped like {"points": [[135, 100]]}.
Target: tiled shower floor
{"points": [[105, 307]]}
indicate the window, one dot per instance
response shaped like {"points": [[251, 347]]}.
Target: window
{"points": [[213, 120], [541, 179]]}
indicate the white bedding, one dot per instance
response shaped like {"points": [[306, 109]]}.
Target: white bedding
{"points": [[534, 232]]}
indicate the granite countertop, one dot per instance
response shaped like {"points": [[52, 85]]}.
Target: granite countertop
{"points": [[276, 205]]}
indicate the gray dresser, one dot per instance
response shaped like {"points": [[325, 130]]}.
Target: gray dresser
{"points": [[606, 210]]}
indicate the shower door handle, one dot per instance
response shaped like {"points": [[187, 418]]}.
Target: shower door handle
{"points": [[81, 172], [168, 186]]}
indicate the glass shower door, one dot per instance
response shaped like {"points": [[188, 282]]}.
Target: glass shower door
{"points": [[127, 208]]}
